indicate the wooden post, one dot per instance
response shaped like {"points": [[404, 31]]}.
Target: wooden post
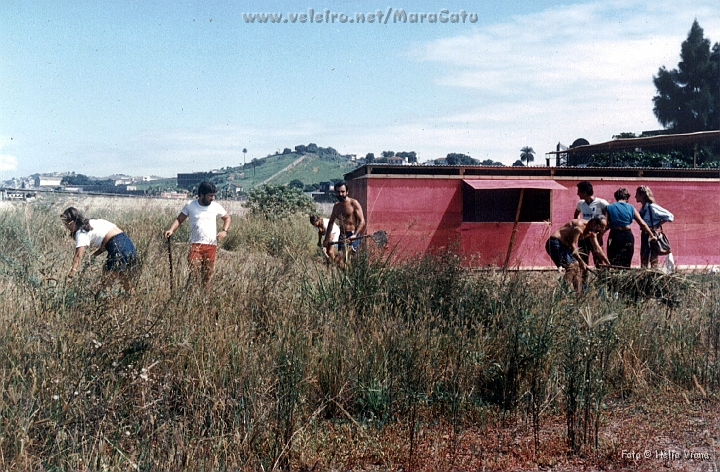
{"points": [[695, 156], [514, 230]]}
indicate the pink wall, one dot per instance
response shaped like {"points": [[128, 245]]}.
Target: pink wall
{"points": [[424, 215]]}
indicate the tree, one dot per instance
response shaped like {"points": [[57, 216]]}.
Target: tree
{"points": [[518, 163], [301, 149], [624, 135], [296, 183], [687, 97], [715, 79], [527, 155], [370, 158], [276, 202], [312, 187], [80, 179], [77, 179], [456, 159]]}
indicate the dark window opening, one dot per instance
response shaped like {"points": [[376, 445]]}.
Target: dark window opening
{"points": [[500, 205]]}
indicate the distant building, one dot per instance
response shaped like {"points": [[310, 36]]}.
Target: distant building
{"points": [[174, 195], [48, 180], [323, 194], [112, 189], [395, 160], [17, 195], [233, 189]]}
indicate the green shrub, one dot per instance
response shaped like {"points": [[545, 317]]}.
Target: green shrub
{"points": [[275, 202]]}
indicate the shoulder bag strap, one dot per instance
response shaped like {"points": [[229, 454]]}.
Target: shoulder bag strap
{"points": [[652, 221]]}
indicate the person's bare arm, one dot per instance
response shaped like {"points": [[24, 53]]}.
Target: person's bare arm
{"points": [[574, 238], [643, 225], [577, 213], [226, 226], [598, 253], [359, 219], [79, 251], [175, 225]]}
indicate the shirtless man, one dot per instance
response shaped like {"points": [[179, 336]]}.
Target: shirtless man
{"points": [[348, 214], [564, 250]]}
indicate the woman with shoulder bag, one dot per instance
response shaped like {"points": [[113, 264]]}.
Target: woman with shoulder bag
{"points": [[654, 215]]}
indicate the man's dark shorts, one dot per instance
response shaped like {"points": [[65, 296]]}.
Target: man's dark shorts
{"points": [[354, 244], [560, 254]]}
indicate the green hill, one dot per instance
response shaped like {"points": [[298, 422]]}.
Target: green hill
{"points": [[309, 168]]}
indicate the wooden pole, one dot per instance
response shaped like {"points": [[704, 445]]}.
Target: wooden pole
{"points": [[514, 230], [170, 260]]}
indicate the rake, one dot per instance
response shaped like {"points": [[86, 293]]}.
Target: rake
{"points": [[379, 237]]}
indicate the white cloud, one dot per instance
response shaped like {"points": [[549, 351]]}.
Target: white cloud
{"points": [[577, 71], [8, 162]]}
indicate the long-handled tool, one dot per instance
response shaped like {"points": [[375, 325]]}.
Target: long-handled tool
{"points": [[172, 279], [379, 237]]}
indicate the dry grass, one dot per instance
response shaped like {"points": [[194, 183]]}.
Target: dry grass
{"points": [[285, 365]]}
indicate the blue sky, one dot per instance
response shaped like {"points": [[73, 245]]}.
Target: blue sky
{"points": [[160, 87]]}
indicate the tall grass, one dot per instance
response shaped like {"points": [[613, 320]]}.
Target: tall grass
{"points": [[281, 348]]}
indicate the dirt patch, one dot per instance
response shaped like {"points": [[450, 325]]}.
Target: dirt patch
{"points": [[673, 432]]}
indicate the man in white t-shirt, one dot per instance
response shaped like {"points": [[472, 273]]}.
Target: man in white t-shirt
{"points": [[203, 214], [587, 208]]}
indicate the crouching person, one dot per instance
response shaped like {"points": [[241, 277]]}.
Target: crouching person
{"points": [[563, 249], [106, 236], [329, 249]]}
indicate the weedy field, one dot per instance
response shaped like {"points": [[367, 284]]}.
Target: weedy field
{"points": [[286, 365]]}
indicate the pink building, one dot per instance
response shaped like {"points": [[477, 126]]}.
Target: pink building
{"points": [[503, 215]]}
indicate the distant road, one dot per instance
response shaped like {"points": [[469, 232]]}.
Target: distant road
{"points": [[290, 166]]}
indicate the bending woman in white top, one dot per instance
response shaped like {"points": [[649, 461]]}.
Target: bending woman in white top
{"points": [[105, 236]]}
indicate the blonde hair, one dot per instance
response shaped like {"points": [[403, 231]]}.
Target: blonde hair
{"points": [[647, 193]]}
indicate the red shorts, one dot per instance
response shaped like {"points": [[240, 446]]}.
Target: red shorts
{"points": [[204, 253]]}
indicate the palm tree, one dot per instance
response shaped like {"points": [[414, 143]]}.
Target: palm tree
{"points": [[527, 155], [244, 153]]}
